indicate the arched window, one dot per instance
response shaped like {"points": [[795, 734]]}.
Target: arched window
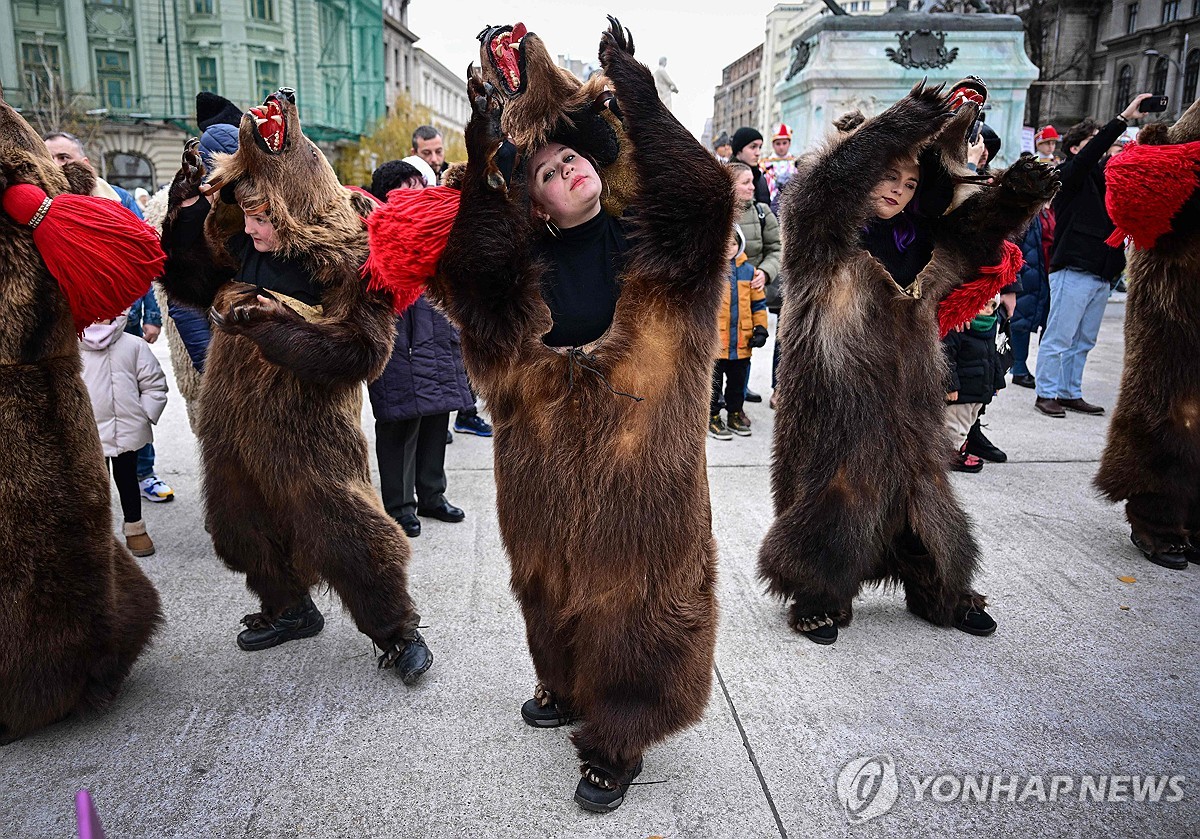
{"points": [[1191, 73], [129, 170], [1124, 86], [1158, 81]]}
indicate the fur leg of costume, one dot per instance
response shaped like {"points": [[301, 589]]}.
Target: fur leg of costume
{"points": [[76, 610], [286, 471], [603, 500], [859, 472], [1152, 459]]}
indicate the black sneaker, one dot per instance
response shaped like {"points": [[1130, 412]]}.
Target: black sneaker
{"points": [[474, 424], [300, 621], [410, 660], [552, 715], [739, 424], [981, 446], [717, 429], [601, 791]]}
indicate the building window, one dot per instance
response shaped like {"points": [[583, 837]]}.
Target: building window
{"points": [[1131, 18], [1124, 85], [1159, 79], [206, 74], [266, 77], [114, 79], [118, 3], [202, 7], [262, 10], [1191, 72], [1170, 10], [41, 72]]}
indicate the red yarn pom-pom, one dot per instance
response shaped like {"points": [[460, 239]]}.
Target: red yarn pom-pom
{"points": [[407, 236], [968, 299], [102, 255]]}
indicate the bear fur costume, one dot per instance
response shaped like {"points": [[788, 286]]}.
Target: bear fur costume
{"points": [[75, 608], [1152, 459], [859, 470], [603, 500], [288, 493]]}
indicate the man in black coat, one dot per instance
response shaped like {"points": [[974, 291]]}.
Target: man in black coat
{"points": [[1081, 265]]}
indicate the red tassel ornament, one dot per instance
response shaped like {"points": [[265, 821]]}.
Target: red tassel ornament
{"points": [[1145, 186], [102, 255], [966, 301], [407, 236]]}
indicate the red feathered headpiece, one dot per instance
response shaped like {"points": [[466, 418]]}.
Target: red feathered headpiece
{"points": [[967, 300], [1146, 187], [101, 254], [407, 236]]}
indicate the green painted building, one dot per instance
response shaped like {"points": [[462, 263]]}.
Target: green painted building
{"points": [[124, 73]]}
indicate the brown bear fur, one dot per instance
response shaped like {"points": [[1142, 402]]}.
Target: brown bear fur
{"points": [[603, 500], [859, 472], [75, 608], [287, 482], [1152, 460]]}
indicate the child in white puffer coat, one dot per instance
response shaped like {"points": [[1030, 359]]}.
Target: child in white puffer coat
{"points": [[129, 392]]}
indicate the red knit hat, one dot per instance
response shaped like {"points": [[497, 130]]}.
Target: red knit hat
{"points": [[783, 132], [1045, 135]]}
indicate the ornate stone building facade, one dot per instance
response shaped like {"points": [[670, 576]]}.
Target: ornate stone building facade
{"points": [[123, 74], [736, 100]]}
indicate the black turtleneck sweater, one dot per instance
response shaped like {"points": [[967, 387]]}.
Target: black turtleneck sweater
{"points": [[880, 241], [580, 284]]}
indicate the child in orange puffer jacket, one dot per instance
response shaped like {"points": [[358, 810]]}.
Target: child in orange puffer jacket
{"points": [[741, 326]]}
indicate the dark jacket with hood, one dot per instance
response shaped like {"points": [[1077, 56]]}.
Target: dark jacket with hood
{"points": [[1081, 221], [425, 375], [976, 366]]}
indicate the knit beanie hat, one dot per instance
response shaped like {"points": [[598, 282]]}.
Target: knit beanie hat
{"points": [[213, 109], [743, 137], [991, 141]]}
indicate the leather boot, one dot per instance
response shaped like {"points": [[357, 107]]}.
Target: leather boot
{"points": [[300, 621]]}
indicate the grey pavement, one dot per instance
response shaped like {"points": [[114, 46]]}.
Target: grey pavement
{"points": [[1087, 676]]}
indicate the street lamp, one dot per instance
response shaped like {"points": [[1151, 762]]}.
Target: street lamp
{"points": [[1178, 72]]}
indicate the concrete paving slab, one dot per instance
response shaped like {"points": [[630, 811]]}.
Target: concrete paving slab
{"points": [[1088, 675]]}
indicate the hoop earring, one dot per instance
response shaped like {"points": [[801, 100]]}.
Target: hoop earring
{"points": [[553, 228]]}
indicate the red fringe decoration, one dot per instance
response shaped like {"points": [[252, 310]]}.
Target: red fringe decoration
{"points": [[1146, 187], [101, 254], [407, 236], [965, 302]]}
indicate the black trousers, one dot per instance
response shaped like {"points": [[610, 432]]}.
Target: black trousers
{"points": [[412, 462], [124, 472], [735, 373]]}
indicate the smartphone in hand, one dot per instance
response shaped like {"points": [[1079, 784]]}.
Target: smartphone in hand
{"points": [[1153, 104]]}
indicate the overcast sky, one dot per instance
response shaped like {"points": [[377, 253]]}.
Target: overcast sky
{"points": [[698, 39]]}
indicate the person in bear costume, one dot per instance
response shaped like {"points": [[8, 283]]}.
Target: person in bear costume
{"points": [[859, 472], [75, 608], [599, 449], [288, 494], [1152, 459]]}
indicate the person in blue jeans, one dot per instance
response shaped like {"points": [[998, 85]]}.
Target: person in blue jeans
{"points": [[1082, 266]]}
